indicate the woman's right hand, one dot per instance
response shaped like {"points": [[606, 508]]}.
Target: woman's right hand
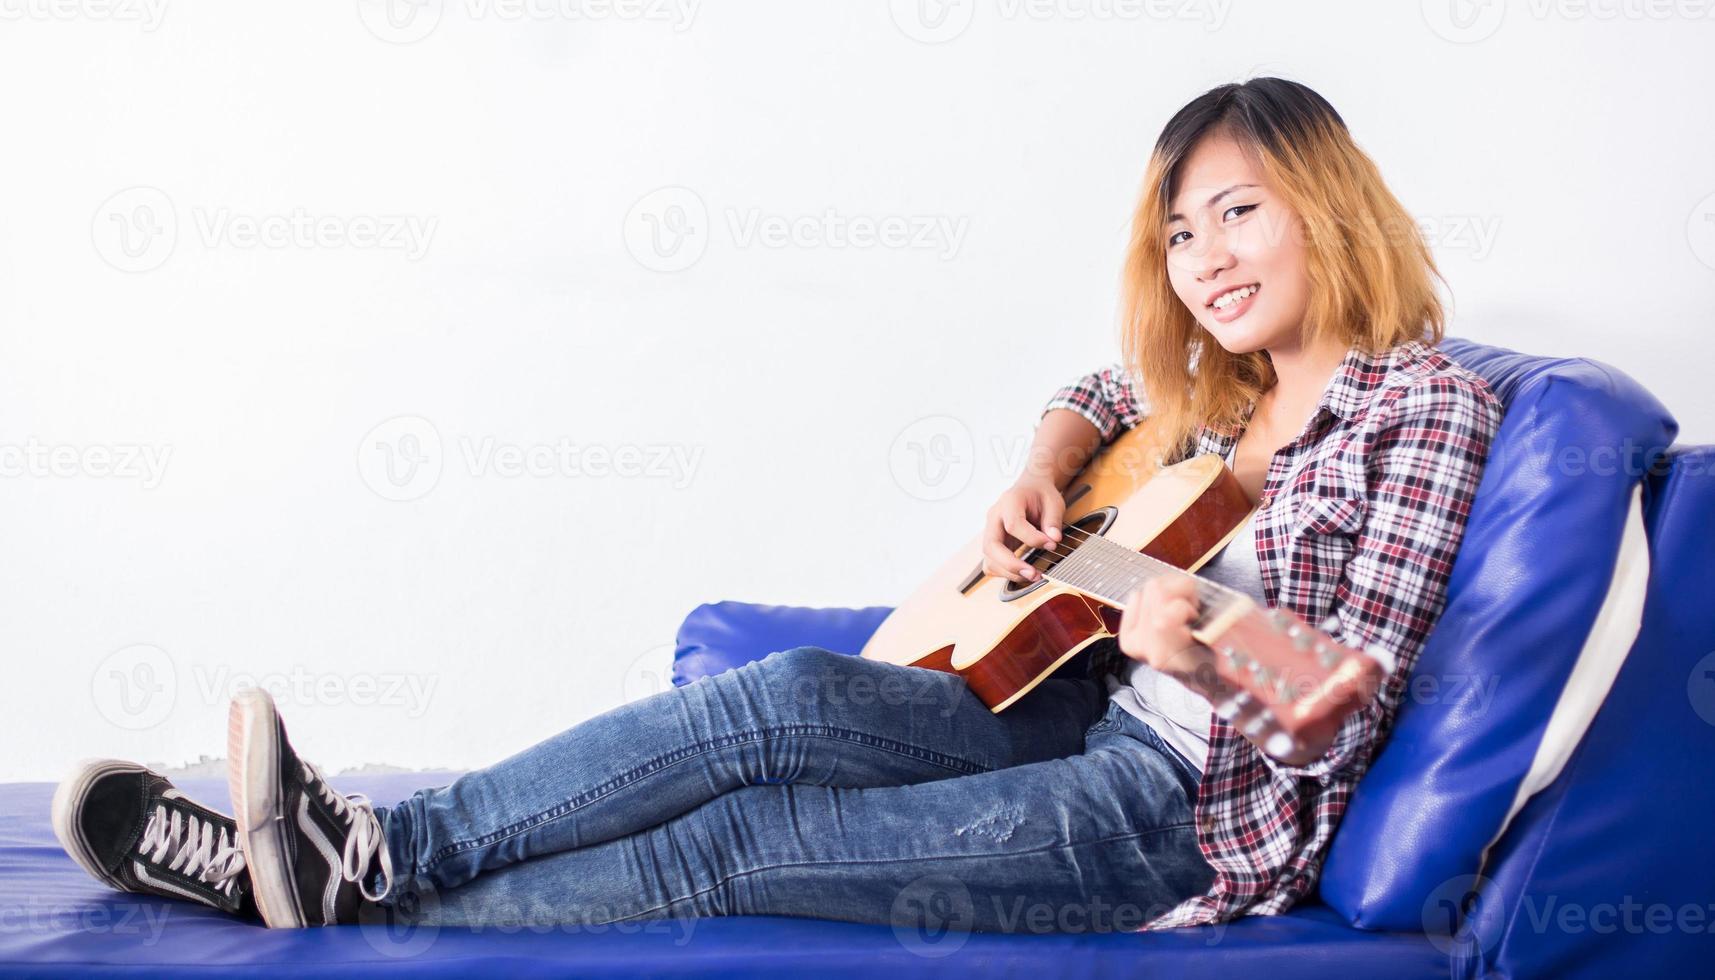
{"points": [[1028, 513]]}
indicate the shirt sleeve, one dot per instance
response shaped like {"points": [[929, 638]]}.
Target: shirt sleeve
{"points": [[1106, 397], [1423, 472]]}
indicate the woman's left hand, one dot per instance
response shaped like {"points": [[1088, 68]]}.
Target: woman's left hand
{"points": [[1155, 627]]}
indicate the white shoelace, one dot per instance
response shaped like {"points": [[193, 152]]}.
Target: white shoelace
{"points": [[195, 850], [363, 842]]}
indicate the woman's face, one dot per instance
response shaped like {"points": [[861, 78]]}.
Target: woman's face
{"points": [[1228, 231]]}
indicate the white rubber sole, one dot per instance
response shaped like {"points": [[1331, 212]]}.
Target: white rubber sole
{"points": [[66, 810], [253, 778]]}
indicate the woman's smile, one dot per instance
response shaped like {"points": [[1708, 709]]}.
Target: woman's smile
{"points": [[1233, 303]]}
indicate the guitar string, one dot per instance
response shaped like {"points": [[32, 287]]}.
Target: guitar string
{"points": [[1206, 588], [1146, 565], [1136, 559]]}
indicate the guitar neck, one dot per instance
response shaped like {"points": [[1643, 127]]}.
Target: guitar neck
{"points": [[1278, 682], [1110, 572]]}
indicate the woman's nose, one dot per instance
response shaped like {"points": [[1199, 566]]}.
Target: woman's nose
{"points": [[1213, 259]]}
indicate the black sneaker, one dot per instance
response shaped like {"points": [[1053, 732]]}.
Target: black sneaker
{"points": [[311, 850], [132, 829]]}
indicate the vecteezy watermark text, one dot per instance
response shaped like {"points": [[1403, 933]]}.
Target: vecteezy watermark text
{"points": [[114, 461], [121, 918], [940, 234], [146, 14], [408, 21], [1470, 21], [402, 459], [138, 687], [669, 229], [138, 230], [940, 21]]}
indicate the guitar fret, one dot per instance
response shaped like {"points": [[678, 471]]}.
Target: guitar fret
{"points": [[1110, 572]]}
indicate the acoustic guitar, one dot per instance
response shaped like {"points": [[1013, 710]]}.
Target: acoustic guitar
{"points": [[1127, 520]]}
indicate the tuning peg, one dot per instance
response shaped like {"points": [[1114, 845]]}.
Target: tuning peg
{"points": [[1264, 719], [1280, 619], [1279, 744], [1227, 708], [1327, 655], [1331, 625], [1301, 638]]}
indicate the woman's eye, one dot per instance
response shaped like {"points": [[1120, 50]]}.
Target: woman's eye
{"points": [[1243, 209]]}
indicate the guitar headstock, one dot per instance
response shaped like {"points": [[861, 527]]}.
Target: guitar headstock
{"points": [[1284, 684]]}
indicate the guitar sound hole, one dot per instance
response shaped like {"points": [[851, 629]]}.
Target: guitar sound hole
{"points": [[1092, 524]]}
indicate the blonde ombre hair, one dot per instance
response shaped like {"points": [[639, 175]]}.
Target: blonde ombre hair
{"points": [[1371, 273]]}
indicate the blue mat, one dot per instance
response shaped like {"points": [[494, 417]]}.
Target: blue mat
{"points": [[57, 921]]}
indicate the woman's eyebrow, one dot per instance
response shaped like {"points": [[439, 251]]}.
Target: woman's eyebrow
{"points": [[1176, 216]]}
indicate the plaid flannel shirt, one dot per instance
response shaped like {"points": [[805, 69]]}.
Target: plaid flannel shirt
{"points": [[1360, 517]]}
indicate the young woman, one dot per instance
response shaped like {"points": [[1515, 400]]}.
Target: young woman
{"points": [[1279, 311]]}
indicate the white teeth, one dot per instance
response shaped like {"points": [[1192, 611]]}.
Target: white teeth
{"points": [[1228, 299]]}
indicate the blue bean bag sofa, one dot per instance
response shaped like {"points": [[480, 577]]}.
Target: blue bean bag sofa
{"points": [[1542, 807]]}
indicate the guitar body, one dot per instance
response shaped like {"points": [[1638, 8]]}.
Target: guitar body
{"points": [[1005, 638]]}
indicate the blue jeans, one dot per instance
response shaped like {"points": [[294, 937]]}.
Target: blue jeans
{"points": [[812, 783]]}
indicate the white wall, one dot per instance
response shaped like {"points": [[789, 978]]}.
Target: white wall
{"points": [[511, 160]]}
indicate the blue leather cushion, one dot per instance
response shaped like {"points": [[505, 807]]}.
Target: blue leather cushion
{"points": [[717, 636], [1610, 871], [57, 921], [1532, 572]]}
